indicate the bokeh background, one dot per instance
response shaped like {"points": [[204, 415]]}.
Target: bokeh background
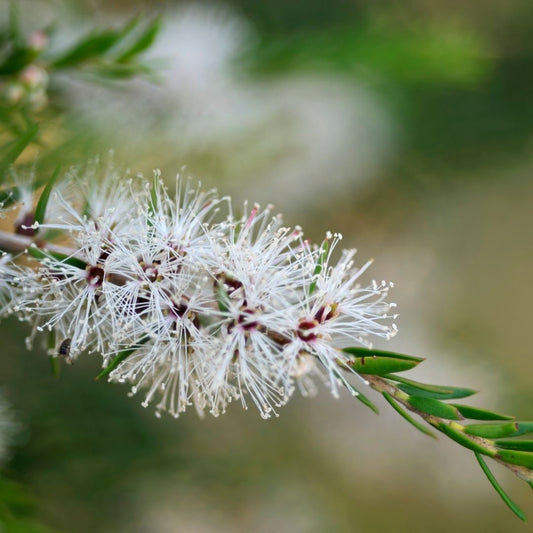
{"points": [[406, 126]]}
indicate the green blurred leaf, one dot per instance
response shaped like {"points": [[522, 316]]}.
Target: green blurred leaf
{"points": [[408, 54], [517, 457], [222, 297], [434, 407], [437, 392], [363, 399], [514, 444], [380, 365], [503, 495], [11, 151], [121, 356], [480, 414], [493, 431], [94, 45], [465, 441], [42, 254], [367, 352], [379, 362], [142, 43], [421, 427], [40, 209]]}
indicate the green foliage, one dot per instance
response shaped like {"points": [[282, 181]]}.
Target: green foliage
{"points": [[17, 508], [55, 257], [507, 500], [123, 355], [404, 54], [380, 362], [429, 402], [437, 392], [40, 209]]}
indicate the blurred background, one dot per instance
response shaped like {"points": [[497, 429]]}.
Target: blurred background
{"points": [[406, 126]]}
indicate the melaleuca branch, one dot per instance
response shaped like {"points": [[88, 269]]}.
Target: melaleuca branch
{"points": [[492, 434], [197, 306]]}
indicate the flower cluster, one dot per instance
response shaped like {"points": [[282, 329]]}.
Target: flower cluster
{"points": [[188, 301]]}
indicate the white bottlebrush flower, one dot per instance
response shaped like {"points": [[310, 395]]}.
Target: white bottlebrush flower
{"points": [[255, 269], [191, 304], [95, 202], [336, 312], [67, 298]]}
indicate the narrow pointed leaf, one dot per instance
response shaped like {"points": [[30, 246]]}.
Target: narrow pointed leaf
{"points": [[480, 414], [435, 407], [363, 399], [513, 444], [222, 297], [42, 254], [402, 412], [437, 392], [143, 42], [492, 431], [359, 351], [497, 487], [464, 440], [516, 457], [15, 148], [121, 356], [380, 365], [500, 430], [40, 210], [92, 46]]}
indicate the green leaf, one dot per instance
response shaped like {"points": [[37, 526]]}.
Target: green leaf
{"points": [[437, 392], [378, 362], [42, 254], [94, 45], [13, 149], [40, 210], [121, 356], [379, 365], [513, 444], [464, 440], [407, 416], [143, 42], [480, 414], [435, 407], [322, 255], [363, 399], [222, 297], [497, 487], [367, 352], [516, 457], [500, 430]]}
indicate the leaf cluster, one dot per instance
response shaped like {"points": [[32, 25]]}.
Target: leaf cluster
{"points": [[486, 433]]}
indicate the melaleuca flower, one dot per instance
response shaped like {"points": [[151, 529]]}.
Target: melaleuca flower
{"points": [[66, 297], [189, 303], [95, 203], [255, 270], [336, 312]]}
